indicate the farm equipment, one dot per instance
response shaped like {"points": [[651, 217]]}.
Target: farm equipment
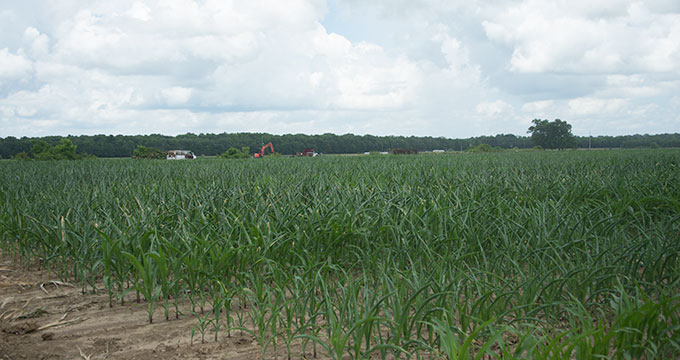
{"points": [[261, 153]]}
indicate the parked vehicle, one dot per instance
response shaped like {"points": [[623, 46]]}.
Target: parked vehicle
{"points": [[180, 155]]}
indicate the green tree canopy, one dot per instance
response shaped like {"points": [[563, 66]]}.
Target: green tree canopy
{"points": [[289, 144], [552, 134], [40, 148], [234, 153], [144, 152], [65, 150]]}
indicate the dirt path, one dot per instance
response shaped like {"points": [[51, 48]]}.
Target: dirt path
{"points": [[56, 321]]}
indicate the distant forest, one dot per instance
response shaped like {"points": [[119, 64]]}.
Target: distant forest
{"points": [[214, 144]]}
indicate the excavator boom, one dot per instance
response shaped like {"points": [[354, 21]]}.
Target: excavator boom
{"points": [[261, 154]]}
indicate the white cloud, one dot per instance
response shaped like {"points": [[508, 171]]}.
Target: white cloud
{"points": [[641, 111], [594, 106], [455, 54], [26, 112], [366, 78], [424, 67], [541, 109], [491, 109], [37, 43], [631, 86], [323, 71], [13, 66], [176, 95], [139, 11], [537, 106], [586, 37]]}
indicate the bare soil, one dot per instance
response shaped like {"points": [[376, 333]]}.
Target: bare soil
{"points": [[43, 318]]}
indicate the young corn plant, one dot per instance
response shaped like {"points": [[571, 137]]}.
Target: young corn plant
{"points": [[455, 344], [406, 308], [367, 304], [203, 321], [645, 327], [575, 254], [288, 320], [146, 270], [343, 319], [163, 276], [224, 300], [110, 253], [219, 300], [175, 280], [264, 311]]}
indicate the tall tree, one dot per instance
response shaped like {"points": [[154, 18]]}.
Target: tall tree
{"points": [[552, 134]]}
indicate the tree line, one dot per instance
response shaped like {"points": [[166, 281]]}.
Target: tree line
{"points": [[289, 144]]}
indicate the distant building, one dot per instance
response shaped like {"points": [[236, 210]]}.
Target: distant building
{"points": [[307, 152]]}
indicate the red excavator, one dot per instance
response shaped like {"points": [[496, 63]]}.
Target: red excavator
{"points": [[261, 153]]}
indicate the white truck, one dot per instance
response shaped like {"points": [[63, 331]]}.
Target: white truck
{"points": [[180, 155]]}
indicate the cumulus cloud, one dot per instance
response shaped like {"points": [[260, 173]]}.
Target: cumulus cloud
{"points": [[408, 67], [594, 106], [537, 106], [587, 37], [14, 66], [176, 95], [493, 108], [37, 43]]}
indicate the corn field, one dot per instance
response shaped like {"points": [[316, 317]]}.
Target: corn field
{"points": [[527, 255]]}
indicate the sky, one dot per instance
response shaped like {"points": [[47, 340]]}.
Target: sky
{"points": [[400, 67]]}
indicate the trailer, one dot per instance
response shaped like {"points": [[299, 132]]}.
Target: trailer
{"points": [[307, 152]]}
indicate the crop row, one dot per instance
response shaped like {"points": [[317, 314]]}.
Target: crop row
{"points": [[512, 255]]}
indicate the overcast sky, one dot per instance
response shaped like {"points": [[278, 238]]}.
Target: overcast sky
{"points": [[401, 67]]}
